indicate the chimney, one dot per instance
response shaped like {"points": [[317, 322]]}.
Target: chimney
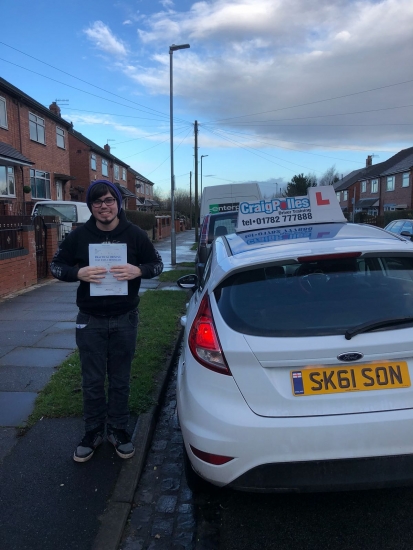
{"points": [[369, 160], [54, 107], [107, 147]]}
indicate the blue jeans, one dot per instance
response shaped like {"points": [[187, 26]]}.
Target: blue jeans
{"points": [[106, 345]]}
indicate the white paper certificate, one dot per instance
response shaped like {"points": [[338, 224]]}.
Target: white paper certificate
{"points": [[107, 255]]}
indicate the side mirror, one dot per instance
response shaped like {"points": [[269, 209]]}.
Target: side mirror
{"points": [[188, 282]]}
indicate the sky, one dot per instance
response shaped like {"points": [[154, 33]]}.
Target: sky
{"points": [[278, 87]]}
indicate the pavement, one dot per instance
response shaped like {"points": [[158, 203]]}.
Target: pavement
{"points": [[47, 500]]}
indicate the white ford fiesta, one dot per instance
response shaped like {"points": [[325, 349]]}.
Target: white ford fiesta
{"points": [[296, 367]]}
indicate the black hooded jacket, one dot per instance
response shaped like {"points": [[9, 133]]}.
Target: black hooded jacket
{"points": [[73, 254]]}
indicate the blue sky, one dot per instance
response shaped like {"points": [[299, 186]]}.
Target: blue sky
{"points": [[278, 87]]}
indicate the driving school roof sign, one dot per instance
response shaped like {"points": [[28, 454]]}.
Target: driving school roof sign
{"points": [[319, 206]]}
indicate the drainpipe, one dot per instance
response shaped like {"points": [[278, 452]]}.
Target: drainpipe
{"points": [[21, 151]]}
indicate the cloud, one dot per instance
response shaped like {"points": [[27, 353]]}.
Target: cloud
{"points": [[288, 60], [166, 3], [103, 39]]}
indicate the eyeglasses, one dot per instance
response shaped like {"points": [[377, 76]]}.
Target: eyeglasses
{"points": [[109, 201]]}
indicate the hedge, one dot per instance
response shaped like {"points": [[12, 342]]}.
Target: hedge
{"points": [[145, 220]]}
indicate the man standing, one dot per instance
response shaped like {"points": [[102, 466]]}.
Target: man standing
{"points": [[106, 325]]}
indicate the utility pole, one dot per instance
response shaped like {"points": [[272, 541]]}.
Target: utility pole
{"points": [[196, 182], [190, 197]]}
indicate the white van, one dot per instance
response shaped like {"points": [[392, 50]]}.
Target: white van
{"points": [[69, 212], [226, 198]]}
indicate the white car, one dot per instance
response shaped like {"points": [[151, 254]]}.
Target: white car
{"points": [[297, 361]]}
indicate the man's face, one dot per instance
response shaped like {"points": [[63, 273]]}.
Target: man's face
{"points": [[104, 213]]}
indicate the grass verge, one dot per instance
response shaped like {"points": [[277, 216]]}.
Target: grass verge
{"points": [[159, 314], [173, 275]]}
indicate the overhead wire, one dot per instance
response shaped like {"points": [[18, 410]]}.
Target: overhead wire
{"points": [[317, 101], [216, 132], [79, 89], [252, 137], [85, 81]]}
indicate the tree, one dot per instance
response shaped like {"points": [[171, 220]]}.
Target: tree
{"points": [[299, 184], [329, 177]]}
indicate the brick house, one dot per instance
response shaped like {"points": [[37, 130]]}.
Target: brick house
{"points": [[89, 162], [143, 190], [34, 151], [378, 188]]}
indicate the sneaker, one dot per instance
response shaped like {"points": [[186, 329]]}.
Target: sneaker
{"points": [[120, 439], [92, 439]]}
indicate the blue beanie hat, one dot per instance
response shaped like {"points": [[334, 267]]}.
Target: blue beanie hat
{"points": [[112, 186]]}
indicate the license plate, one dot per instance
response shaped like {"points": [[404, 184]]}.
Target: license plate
{"points": [[372, 376]]}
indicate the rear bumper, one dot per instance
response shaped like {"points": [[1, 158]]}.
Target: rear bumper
{"points": [[328, 475]]}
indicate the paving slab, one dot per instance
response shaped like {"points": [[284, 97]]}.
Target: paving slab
{"points": [[4, 350], [51, 315], [64, 339], [57, 505], [19, 379], [15, 338], [15, 407], [63, 325], [21, 325], [35, 357]]}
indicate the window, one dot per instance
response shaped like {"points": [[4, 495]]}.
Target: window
{"points": [[390, 183], [60, 137], [374, 186], [105, 167], [338, 196], [345, 195], [354, 291], [363, 186], [40, 184], [93, 161], [116, 171], [7, 186], [3, 113], [36, 128], [405, 180], [124, 174]]}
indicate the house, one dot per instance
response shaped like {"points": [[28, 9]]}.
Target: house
{"points": [[89, 162], [34, 151], [378, 188], [144, 191]]}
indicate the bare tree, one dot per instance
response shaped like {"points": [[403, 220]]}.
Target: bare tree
{"points": [[329, 177]]}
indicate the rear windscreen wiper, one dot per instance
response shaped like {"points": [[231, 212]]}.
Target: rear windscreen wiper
{"points": [[366, 327]]}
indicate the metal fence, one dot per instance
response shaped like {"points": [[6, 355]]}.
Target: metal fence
{"points": [[11, 237]]}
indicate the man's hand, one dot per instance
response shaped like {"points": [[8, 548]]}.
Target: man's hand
{"points": [[91, 274], [125, 272]]}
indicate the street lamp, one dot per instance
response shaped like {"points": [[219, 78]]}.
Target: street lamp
{"points": [[173, 49], [202, 156]]}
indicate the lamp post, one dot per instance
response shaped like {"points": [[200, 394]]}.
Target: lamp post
{"points": [[172, 49], [202, 156]]}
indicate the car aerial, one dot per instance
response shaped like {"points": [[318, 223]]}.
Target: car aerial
{"points": [[401, 227], [213, 225], [295, 373]]}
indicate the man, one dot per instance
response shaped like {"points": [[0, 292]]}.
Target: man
{"points": [[106, 325]]}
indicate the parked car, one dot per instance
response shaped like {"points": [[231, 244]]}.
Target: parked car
{"points": [[213, 226], [69, 212], [297, 360], [401, 227]]}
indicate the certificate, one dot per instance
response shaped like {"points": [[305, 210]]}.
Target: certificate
{"points": [[107, 255]]}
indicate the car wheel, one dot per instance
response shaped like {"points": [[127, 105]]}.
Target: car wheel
{"points": [[195, 482]]}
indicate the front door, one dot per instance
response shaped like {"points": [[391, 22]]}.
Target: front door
{"points": [[59, 190]]}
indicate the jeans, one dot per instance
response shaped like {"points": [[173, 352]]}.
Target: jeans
{"points": [[106, 345]]}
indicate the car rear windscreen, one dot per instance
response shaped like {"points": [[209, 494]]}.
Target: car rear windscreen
{"points": [[318, 298], [67, 212]]}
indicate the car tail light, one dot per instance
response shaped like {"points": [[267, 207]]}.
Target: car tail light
{"points": [[204, 342], [217, 460]]}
